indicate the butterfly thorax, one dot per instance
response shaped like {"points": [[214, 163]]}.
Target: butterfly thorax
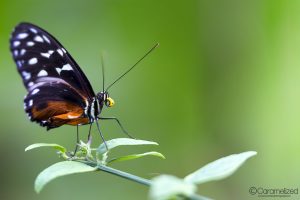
{"points": [[97, 104]]}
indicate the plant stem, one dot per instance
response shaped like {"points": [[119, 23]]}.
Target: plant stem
{"points": [[124, 175]]}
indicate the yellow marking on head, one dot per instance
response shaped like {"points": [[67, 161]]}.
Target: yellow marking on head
{"points": [[110, 102]]}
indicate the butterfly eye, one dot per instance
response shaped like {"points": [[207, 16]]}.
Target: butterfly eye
{"points": [[109, 102]]}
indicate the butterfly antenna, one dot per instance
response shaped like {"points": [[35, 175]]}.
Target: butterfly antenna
{"points": [[156, 45], [102, 66]]}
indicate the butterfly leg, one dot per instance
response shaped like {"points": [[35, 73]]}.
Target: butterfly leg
{"points": [[90, 131], [77, 141], [117, 120], [101, 135]]}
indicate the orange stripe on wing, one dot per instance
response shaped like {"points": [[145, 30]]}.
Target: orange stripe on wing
{"points": [[58, 113]]}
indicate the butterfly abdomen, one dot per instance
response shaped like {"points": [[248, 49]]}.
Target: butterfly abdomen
{"points": [[93, 110]]}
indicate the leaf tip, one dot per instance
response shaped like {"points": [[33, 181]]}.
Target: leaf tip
{"points": [[161, 156], [37, 188], [250, 153]]}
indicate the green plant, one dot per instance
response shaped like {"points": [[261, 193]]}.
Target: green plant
{"points": [[88, 159]]}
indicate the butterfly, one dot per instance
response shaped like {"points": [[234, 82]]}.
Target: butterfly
{"points": [[59, 93]]}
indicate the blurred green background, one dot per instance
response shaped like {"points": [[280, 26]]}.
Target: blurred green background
{"points": [[225, 79]]}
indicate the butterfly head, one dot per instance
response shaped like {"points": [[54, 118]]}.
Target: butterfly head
{"points": [[103, 98]]}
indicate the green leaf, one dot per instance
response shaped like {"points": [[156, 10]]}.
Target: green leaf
{"points": [[135, 156], [167, 186], [60, 169], [121, 142], [219, 169], [55, 146]]}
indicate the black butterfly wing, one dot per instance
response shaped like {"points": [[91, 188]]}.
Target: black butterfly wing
{"points": [[50, 74], [53, 102], [37, 54]]}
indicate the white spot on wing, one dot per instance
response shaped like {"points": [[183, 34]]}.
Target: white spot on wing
{"points": [[32, 61], [42, 73], [63, 50], [19, 63], [33, 30], [38, 39], [26, 75], [47, 55], [30, 84], [35, 91], [22, 52], [30, 102], [16, 52], [22, 35], [46, 39], [72, 116], [16, 43], [58, 70], [30, 43], [67, 67], [60, 52]]}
